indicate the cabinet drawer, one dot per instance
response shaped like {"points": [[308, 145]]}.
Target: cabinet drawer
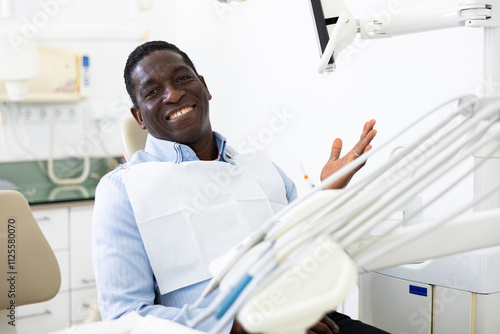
{"points": [[44, 317], [54, 225], [63, 261], [80, 303], [82, 271]]}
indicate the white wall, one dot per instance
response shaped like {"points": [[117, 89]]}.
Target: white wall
{"points": [[259, 59]]}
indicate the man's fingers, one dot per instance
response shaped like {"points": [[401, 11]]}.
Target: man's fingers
{"points": [[324, 326], [367, 128], [361, 146], [368, 138], [336, 149], [330, 324]]}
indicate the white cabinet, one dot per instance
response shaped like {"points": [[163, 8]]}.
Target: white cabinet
{"points": [[68, 229], [63, 260], [54, 224], [388, 303], [452, 310], [82, 272], [44, 317], [81, 269], [395, 305], [80, 304]]}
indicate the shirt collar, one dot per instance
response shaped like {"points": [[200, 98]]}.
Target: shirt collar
{"points": [[164, 150]]}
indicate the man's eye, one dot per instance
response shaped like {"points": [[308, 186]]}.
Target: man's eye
{"points": [[182, 78], [151, 92]]}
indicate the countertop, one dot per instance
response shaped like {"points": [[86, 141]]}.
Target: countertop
{"points": [[30, 178]]}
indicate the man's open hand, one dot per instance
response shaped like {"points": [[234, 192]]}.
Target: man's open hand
{"points": [[335, 163]]}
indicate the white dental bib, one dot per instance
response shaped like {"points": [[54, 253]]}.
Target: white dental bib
{"points": [[191, 213]]}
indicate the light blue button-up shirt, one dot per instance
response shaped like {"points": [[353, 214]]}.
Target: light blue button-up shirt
{"points": [[124, 278]]}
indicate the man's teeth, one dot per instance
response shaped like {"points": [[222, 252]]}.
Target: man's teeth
{"points": [[180, 113]]}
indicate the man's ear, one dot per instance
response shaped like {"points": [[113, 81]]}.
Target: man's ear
{"points": [[206, 87], [138, 117]]}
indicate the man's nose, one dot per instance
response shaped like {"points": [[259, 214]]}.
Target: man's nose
{"points": [[172, 94]]}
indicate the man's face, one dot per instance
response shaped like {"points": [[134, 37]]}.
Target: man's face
{"points": [[172, 99]]}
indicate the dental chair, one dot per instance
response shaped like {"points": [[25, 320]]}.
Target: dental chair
{"points": [[133, 137], [30, 272]]}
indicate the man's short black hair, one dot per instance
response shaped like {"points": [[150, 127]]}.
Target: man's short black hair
{"points": [[142, 51]]}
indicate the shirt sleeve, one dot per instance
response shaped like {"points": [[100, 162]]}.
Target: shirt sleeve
{"points": [[124, 277], [291, 189]]}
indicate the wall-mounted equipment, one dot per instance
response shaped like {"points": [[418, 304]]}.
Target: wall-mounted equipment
{"points": [[18, 56], [64, 75]]}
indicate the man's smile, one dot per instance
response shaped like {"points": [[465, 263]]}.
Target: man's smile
{"points": [[180, 113], [173, 100]]}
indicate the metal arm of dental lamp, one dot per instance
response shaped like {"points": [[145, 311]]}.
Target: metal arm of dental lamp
{"points": [[333, 18], [476, 13]]}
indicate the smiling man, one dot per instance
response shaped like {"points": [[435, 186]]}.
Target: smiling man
{"points": [[152, 242], [172, 102]]}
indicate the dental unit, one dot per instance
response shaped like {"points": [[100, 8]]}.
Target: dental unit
{"points": [[303, 262]]}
